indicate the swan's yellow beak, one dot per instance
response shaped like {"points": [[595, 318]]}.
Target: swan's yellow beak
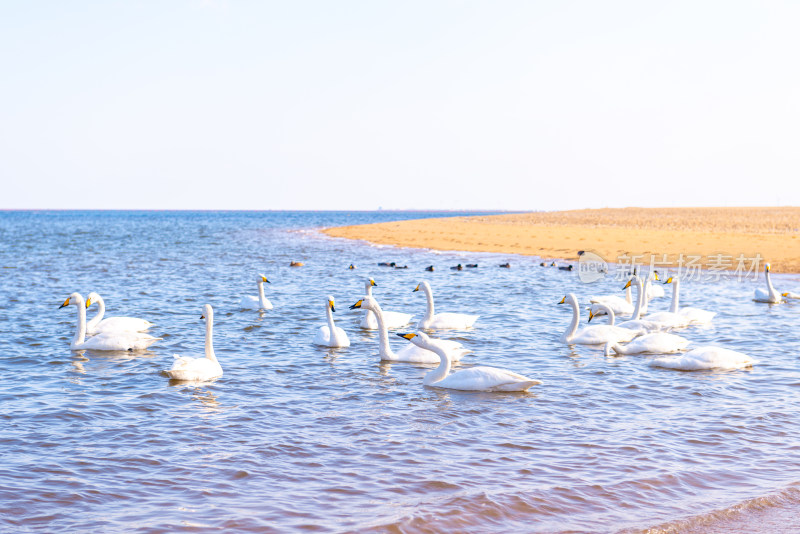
{"points": [[88, 302], [264, 279], [590, 317], [785, 294], [407, 336], [357, 304], [372, 282], [563, 300], [767, 267], [627, 285], [202, 316], [669, 280], [656, 276], [416, 288], [333, 309], [66, 303]]}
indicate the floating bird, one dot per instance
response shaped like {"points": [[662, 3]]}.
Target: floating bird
{"points": [[331, 335], [196, 369], [472, 265], [694, 315], [655, 343], [770, 296], [351, 267], [565, 268], [386, 264], [260, 302], [505, 265], [99, 325], [704, 358], [296, 264], [473, 379], [592, 335], [457, 267], [391, 319], [442, 320], [429, 268], [117, 340]]}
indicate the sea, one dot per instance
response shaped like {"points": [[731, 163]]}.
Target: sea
{"points": [[296, 437]]}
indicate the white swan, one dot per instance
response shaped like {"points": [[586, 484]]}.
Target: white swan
{"points": [[410, 352], [205, 368], [119, 340], [653, 291], [97, 324], [250, 302], [619, 305], [655, 343], [694, 315], [708, 357], [390, 319], [669, 319], [472, 379], [593, 335], [331, 335], [770, 295], [442, 320]]}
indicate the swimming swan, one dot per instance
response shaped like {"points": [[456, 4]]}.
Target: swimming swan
{"points": [[593, 335], [770, 295], [442, 320], [633, 324], [249, 302], [655, 343], [472, 379], [669, 319], [410, 352], [695, 315], [119, 340], [390, 319], [205, 368], [618, 304], [331, 335], [703, 358], [97, 324]]}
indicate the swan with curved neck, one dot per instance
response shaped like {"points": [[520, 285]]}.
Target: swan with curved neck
{"points": [[330, 335], [669, 319], [97, 324], [390, 319], [195, 369], [694, 315], [410, 352], [260, 302], [771, 295], [592, 335], [119, 340], [434, 320], [619, 305], [654, 343], [472, 379]]}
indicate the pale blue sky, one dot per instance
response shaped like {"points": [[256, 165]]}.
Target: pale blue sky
{"points": [[430, 105]]}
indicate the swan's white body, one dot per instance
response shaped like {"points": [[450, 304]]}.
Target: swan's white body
{"points": [[433, 321], [655, 343], [703, 358], [593, 335], [472, 379], [197, 369], [410, 352], [770, 295], [390, 319], [693, 315], [653, 291], [331, 335], [98, 325], [260, 302], [619, 305], [119, 340]]}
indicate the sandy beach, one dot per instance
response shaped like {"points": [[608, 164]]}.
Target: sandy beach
{"points": [[713, 238]]}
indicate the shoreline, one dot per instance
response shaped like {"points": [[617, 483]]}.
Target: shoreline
{"points": [[715, 239]]}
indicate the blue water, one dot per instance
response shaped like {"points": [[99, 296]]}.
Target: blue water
{"points": [[298, 437]]}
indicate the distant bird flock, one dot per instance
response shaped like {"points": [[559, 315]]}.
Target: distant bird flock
{"points": [[642, 333]]}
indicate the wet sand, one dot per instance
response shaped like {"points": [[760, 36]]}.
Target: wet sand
{"points": [[713, 238]]}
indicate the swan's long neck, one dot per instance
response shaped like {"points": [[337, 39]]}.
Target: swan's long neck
{"points": [[616, 347], [368, 313], [101, 310], [628, 298], [645, 298], [441, 372], [331, 326], [773, 295], [262, 300], [429, 312], [637, 311], [676, 287], [210, 338], [80, 332], [383, 335], [573, 326], [611, 316]]}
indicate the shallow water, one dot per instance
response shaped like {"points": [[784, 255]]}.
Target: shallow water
{"points": [[298, 437]]}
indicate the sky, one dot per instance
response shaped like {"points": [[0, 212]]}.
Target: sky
{"points": [[360, 105]]}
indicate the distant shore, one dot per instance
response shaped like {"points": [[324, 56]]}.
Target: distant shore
{"points": [[712, 238]]}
